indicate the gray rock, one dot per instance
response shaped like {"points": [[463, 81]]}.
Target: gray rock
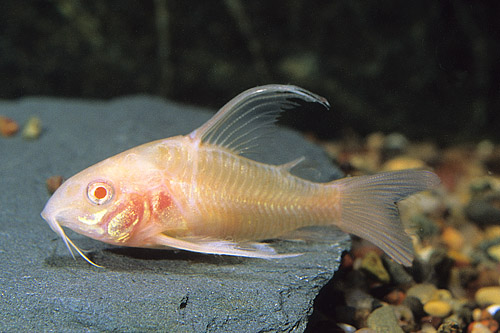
{"points": [[399, 275], [43, 288], [483, 210]]}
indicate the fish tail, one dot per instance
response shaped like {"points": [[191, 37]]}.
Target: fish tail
{"points": [[368, 208]]}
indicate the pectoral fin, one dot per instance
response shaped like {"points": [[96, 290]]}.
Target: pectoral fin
{"points": [[213, 246]]}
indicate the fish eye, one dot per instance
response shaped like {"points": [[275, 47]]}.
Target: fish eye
{"points": [[99, 192]]}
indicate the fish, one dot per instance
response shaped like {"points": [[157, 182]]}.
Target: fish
{"points": [[203, 192]]}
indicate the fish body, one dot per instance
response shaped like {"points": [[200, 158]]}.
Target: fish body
{"points": [[200, 192]]}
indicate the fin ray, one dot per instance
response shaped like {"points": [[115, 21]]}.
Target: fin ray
{"points": [[292, 164], [214, 246], [369, 208], [249, 116]]}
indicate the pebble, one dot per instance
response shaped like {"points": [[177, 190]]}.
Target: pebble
{"points": [[442, 295], [437, 308], [487, 277], [494, 252], [8, 127], [425, 227], [423, 292], [443, 265], [394, 297], [425, 151], [481, 327], [384, 319], [484, 210], [493, 309], [416, 307], [394, 144], [372, 264], [491, 324], [480, 186], [453, 238], [431, 321], [492, 163], [450, 325], [427, 328], [32, 129], [403, 162], [405, 318], [464, 314], [485, 149], [477, 314], [488, 295], [493, 233], [53, 183], [398, 274], [375, 141], [460, 259], [453, 284], [347, 328]]}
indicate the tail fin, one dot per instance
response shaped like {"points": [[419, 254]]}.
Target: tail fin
{"points": [[369, 208]]}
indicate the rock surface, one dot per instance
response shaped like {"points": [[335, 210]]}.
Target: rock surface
{"points": [[43, 288]]}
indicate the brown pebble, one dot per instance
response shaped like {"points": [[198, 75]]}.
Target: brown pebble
{"points": [[395, 297], [347, 261], [8, 127], [53, 183], [32, 129]]}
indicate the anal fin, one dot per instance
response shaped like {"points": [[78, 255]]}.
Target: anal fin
{"points": [[216, 246]]}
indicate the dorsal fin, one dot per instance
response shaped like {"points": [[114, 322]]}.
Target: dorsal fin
{"points": [[239, 124]]}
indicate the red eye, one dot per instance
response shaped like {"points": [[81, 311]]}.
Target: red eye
{"points": [[99, 192]]}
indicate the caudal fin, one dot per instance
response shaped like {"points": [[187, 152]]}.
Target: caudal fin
{"points": [[369, 208]]}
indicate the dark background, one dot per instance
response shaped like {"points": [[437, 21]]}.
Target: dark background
{"points": [[428, 69]]}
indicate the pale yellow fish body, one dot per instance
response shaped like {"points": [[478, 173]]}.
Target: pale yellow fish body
{"points": [[222, 195], [199, 193]]}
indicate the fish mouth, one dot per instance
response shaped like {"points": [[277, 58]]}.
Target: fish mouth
{"points": [[56, 227]]}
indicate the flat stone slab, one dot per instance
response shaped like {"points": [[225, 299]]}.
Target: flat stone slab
{"points": [[43, 288]]}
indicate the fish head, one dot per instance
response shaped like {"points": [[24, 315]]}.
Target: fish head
{"points": [[107, 201]]}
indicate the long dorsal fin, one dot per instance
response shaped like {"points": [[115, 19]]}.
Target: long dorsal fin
{"points": [[239, 124]]}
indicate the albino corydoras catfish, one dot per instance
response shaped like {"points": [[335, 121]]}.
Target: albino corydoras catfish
{"points": [[199, 193]]}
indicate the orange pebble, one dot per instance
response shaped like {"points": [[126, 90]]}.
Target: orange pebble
{"points": [[395, 297], [491, 324], [8, 127], [453, 238], [486, 325]]}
